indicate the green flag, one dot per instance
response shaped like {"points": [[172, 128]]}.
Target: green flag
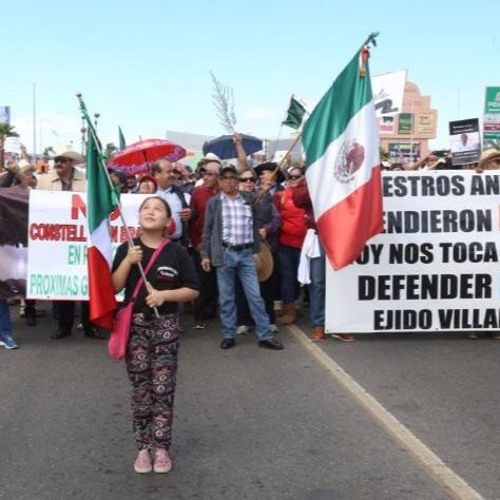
{"points": [[121, 137], [295, 114]]}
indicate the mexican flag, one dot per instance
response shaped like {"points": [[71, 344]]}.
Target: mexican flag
{"points": [[343, 164], [101, 201]]}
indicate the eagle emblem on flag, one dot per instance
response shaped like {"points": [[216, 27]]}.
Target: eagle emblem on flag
{"points": [[349, 160]]}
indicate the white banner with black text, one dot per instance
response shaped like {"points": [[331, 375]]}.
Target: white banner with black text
{"points": [[434, 268]]}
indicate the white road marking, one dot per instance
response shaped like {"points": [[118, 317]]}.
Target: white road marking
{"points": [[439, 471]]}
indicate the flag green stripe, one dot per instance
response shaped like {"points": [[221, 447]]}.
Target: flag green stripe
{"points": [[295, 114], [332, 114]]}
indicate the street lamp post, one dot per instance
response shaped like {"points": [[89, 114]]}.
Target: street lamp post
{"points": [[83, 131]]}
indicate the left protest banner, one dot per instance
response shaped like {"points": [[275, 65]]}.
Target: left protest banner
{"points": [[57, 242], [13, 242], [43, 242]]}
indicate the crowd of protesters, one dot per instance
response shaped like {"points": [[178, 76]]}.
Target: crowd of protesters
{"points": [[242, 246], [281, 213], [443, 160]]}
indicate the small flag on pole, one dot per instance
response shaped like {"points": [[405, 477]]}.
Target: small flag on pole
{"points": [[343, 164], [121, 139], [101, 201], [295, 114]]}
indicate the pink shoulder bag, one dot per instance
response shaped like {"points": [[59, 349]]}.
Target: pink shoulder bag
{"points": [[117, 344]]}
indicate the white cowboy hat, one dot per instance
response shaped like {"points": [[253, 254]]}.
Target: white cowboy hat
{"points": [[67, 152]]}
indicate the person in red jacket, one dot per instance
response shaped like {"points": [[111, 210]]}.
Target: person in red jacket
{"points": [[290, 240]]}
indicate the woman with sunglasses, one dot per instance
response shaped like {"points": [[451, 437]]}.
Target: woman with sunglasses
{"points": [[269, 223], [290, 240]]}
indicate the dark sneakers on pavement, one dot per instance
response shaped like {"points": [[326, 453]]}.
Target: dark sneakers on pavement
{"points": [[227, 343], [272, 344]]}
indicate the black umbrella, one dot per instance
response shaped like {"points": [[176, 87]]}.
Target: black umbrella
{"points": [[224, 148]]}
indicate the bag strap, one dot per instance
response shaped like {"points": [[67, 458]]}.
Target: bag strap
{"points": [[151, 261]]}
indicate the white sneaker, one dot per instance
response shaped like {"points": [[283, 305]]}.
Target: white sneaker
{"points": [[8, 342], [274, 328], [242, 330]]}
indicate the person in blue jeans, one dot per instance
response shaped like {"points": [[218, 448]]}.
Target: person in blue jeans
{"points": [[6, 339], [230, 238]]}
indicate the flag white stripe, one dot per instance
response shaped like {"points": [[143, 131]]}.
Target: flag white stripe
{"points": [[326, 191], [101, 240]]}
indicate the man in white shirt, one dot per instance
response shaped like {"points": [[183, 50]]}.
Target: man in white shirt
{"points": [[165, 175], [466, 145]]}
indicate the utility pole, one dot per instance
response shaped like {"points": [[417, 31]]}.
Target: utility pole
{"points": [[34, 123]]}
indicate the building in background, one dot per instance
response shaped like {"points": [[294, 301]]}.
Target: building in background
{"points": [[491, 118], [406, 136]]}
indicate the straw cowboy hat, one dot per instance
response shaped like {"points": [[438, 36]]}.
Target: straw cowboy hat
{"points": [[67, 152], [264, 262], [486, 156]]}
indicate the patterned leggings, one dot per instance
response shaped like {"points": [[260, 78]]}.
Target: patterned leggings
{"points": [[152, 366]]}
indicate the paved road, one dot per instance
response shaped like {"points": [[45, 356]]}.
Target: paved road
{"points": [[250, 423], [444, 388]]}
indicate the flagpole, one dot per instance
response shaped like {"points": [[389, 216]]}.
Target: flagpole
{"points": [[290, 149], [276, 142], [91, 130]]}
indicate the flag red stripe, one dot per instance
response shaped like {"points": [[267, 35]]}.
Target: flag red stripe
{"points": [[103, 302], [353, 221]]}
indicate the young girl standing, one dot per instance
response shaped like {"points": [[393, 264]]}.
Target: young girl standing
{"points": [[151, 357]]}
